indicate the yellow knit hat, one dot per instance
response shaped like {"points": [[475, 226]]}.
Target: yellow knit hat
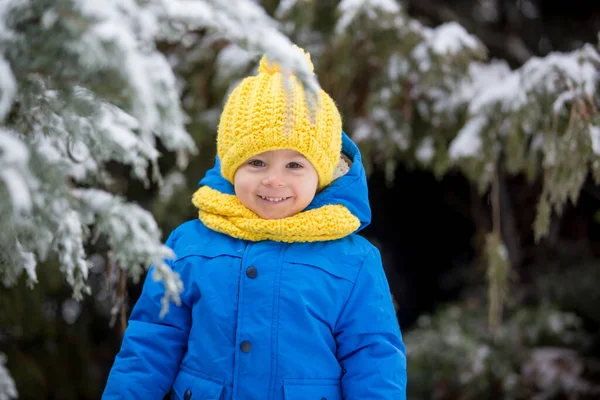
{"points": [[259, 116]]}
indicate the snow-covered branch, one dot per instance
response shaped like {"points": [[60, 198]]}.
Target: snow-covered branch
{"points": [[101, 92], [8, 389]]}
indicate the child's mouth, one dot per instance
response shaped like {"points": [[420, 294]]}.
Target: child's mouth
{"points": [[274, 200]]}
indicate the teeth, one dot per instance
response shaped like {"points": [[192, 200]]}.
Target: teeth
{"points": [[273, 199]]}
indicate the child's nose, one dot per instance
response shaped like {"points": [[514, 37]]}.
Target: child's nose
{"points": [[273, 180]]}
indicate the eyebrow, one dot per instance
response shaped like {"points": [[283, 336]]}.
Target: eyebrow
{"points": [[298, 156]]}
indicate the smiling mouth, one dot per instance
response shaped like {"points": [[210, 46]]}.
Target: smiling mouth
{"points": [[274, 199]]}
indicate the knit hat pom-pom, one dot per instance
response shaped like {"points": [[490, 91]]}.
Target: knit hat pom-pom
{"points": [[266, 67], [271, 68]]}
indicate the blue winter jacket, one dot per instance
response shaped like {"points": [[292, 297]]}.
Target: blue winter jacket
{"points": [[268, 320]]}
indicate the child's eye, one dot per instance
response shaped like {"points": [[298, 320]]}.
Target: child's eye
{"points": [[257, 163], [294, 165]]}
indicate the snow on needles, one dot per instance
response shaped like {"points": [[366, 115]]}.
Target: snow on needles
{"points": [[132, 234], [595, 137], [76, 125], [483, 81], [449, 38], [467, 142], [8, 87], [492, 89], [14, 172], [549, 76], [121, 37], [71, 253], [247, 24], [373, 9], [8, 389]]}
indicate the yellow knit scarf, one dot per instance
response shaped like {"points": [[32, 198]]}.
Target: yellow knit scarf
{"points": [[226, 214]]}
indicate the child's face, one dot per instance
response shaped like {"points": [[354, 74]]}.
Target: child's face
{"points": [[276, 184]]}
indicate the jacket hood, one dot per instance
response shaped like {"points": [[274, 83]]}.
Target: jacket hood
{"points": [[349, 190]]}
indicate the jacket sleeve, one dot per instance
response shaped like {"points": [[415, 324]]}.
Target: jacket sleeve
{"points": [[152, 346], [369, 343]]}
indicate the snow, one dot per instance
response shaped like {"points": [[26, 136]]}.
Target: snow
{"points": [[12, 150], [362, 130], [379, 114], [493, 87], [172, 182], [119, 38], [502, 252], [562, 100], [231, 62], [70, 310], [70, 238], [112, 34], [577, 71], [425, 151], [49, 18], [450, 38], [18, 189], [550, 74], [244, 21], [447, 40], [14, 159], [397, 66], [79, 144], [82, 143], [467, 142], [350, 9], [78, 150], [170, 127], [557, 369], [29, 262], [400, 139], [8, 87], [506, 92], [118, 125], [482, 86], [133, 236], [284, 7], [6, 8], [595, 137], [191, 12], [72, 155], [8, 389]]}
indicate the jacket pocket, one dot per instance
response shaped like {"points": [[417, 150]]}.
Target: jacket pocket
{"points": [[312, 389], [193, 387]]}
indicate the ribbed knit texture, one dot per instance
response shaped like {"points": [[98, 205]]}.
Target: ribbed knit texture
{"points": [[226, 214], [261, 115]]}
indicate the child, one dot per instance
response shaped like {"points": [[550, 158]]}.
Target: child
{"points": [[282, 299]]}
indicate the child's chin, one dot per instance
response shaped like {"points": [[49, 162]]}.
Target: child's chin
{"points": [[273, 215]]}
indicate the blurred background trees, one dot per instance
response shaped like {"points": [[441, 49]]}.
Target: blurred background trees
{"points": [[479, 124]]}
